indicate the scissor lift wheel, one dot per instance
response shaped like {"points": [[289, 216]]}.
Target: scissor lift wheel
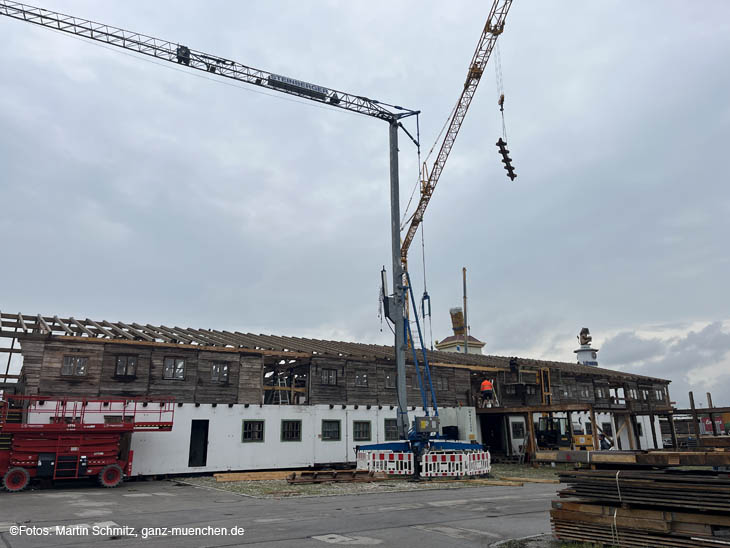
{"points": [[111, 476], [16, 479]]}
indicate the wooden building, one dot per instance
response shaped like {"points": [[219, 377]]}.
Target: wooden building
{"points": [[67, 356]]}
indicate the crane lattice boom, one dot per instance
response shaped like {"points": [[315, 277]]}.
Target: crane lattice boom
{"points": [[492, 29], [176, 53]]}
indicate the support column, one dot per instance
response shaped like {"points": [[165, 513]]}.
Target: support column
{"points": [[629, 418], [653, 432], [695, 417], [531, 426], [596, 447], [712, 418], [673, 429], [571, 437], [398, 289]]}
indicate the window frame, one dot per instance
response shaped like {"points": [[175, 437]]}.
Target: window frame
{"points": [[361, 379], [339, 429], [290, 421], [390, 380], [174, 376], [74, 361], [327, 374], [607, 431], [223, 372], [393, 429], [244, 422], [126, 357], [369, 428]]}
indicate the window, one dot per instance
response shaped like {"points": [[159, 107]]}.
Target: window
{"points": [[632, 394], [607, 428], [329, 376], [644, 394], [589, 429], [518, 430], [391, 430], [567, 391], [361, 379], [442, 383], [639, 429], [219, 372], [74, 365], [585, 391], [126, 366], [174, 369], [659, 394], [530, 389], [510, 389], [253, 431], [330, 430], [291, 430], [389, 380], [601, 392], [361, 430]]}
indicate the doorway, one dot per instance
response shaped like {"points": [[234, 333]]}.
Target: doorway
{"points": [[198, 455]]}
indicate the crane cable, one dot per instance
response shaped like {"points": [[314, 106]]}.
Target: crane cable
{"points": [[500, 86]]}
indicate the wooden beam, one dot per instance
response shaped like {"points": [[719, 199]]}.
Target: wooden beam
{"points": [[596, 446], [137, 332], [555, 408], [118, 330], [10, 350], [632, 435], [245, 351], [695, 418], [673, 430], [21, 321], [42, 322], [152, 332], [100, 328], [653, 432], [9, 376], [63, 326], [82, 327], [286, 389]]}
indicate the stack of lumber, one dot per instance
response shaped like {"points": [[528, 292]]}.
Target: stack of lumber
{"points": [[329, 476], [644, 508]]}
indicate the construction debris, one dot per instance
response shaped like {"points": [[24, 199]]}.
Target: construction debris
{"points": [[530, 480], [253, 476], [328, 476]]}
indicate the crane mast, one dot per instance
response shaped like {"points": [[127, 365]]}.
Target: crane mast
{"points": [[492, 29]]}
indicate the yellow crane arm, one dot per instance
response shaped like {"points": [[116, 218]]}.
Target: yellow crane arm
{"points": [[492, 29]]}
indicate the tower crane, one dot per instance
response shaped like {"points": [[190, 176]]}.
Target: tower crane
{"points": [[226, 68], [492, 29]]}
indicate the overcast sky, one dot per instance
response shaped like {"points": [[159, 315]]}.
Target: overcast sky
{"points": [[135, 191]]}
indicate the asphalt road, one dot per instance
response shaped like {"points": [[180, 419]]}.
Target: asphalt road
{"points": [[475, 516]]}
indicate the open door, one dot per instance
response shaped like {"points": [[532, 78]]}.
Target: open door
{"points": [[198, 455]]}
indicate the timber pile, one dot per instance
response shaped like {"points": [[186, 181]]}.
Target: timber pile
{"points": [[644, 508], [329, 476]]}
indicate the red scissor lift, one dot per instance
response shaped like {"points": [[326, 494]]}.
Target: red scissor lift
{"points": [[55, 437]]}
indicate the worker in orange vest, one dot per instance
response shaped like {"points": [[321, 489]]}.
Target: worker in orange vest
{"points": [[487, 391]]}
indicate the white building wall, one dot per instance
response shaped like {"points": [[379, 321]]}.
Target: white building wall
{"points": [[167, 452]]}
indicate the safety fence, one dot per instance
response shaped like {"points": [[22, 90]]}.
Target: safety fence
{"points": [[433, 464], [396, 463]]}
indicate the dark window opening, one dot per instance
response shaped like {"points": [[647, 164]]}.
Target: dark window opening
{"points": [[174, 369], [75, 366], [361, 430], [253, 431], [330, 430], [291, 430], [219, 372], [126, 366], [391, 430], [329, 376]]}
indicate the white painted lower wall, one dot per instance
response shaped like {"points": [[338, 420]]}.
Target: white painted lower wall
{"points": [[167, 452]]}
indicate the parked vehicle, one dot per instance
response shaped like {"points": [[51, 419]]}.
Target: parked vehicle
{"points": [[54, 438]]}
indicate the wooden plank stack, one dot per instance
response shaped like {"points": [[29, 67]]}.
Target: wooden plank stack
{"points": [[639, 508]]}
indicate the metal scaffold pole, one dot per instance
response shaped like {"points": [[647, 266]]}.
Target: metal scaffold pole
{"points": [[398, 286]]}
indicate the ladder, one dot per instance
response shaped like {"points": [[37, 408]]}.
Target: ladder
{"points": [[282, 389]]}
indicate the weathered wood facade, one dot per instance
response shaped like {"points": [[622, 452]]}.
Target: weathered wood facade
{"points": [[87, 358]]}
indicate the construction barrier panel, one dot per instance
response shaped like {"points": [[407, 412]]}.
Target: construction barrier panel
{"points": [[445, 464], [479, 463], [395, 463]]}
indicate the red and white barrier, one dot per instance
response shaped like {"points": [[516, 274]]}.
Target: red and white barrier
{"points": [[443, 464], [479, 463], [395, 463]]}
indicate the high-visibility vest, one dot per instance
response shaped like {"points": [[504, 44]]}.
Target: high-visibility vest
{"points": [[486, 385]]}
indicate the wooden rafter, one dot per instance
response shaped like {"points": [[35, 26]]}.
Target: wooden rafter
{"points": [[81, 326], [66, 328], [118, 330], [21, 322], [139, 333], [44, 326], [100, 328]]}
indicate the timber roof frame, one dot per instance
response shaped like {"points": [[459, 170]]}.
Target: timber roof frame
{"points": [[54, 328]]}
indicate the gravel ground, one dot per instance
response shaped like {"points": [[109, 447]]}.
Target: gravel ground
{"points": [[274, 489]]}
